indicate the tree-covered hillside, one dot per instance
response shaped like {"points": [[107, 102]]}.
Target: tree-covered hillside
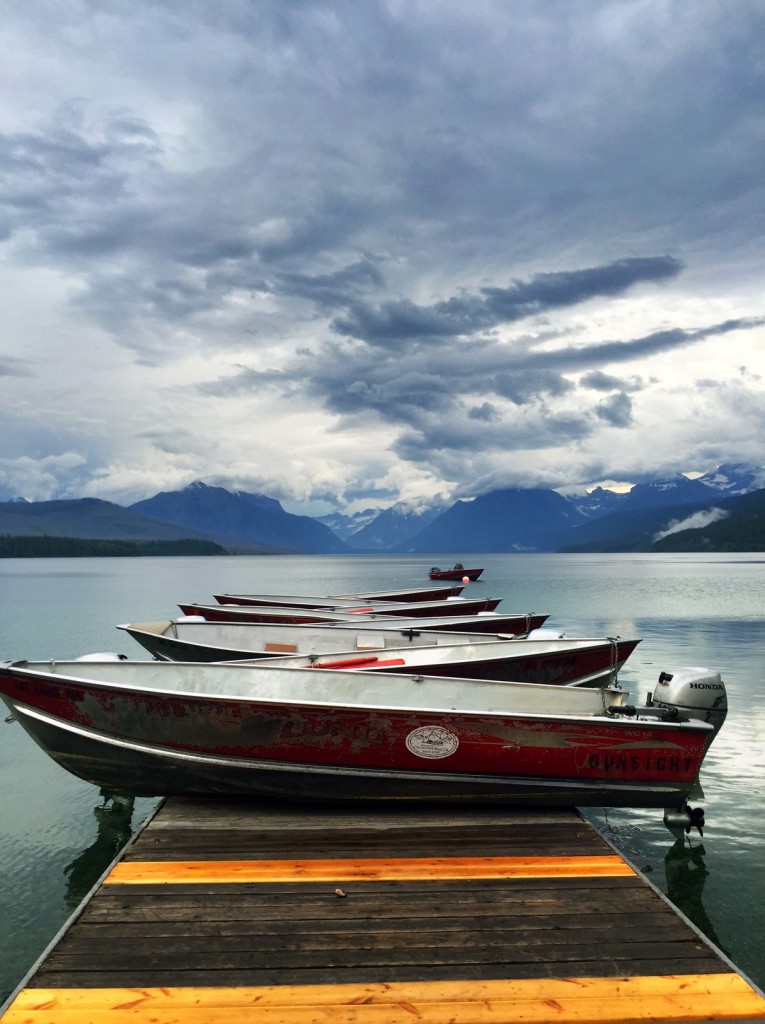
{"points": [[78, 547]]}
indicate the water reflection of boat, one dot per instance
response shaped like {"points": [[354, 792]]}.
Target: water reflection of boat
{"points": [[115, 828], [686, 875]]}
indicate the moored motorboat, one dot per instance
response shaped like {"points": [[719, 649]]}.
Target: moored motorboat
{"points": [[244, 613], [151, 728], [482, 622], [455, 605], [589, 662], [191, 638], [579, 661], [322, 604], [412, 595], [457, 572]]}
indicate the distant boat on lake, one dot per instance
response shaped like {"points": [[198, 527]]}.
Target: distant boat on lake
{"points": [[457, 572]]}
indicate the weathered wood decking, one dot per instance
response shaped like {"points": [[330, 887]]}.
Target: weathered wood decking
{"points": [[225, 911]]}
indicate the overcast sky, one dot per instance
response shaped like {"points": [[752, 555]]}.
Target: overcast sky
{"points": [[352, 252]]}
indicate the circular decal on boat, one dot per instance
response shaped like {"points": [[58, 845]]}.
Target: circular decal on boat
{"points": [[432, 741]]}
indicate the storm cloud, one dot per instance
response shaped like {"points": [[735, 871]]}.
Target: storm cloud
{"points": [[466, 314], [337, 249]]}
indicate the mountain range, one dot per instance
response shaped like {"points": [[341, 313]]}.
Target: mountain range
{"points": [[239, 519], [724, 510]]}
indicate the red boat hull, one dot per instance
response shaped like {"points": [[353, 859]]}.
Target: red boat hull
{"points": [[153, 743], [388, 610], [493, 623], [455, 574], [593, 665], [415, 609], [323, 603]]}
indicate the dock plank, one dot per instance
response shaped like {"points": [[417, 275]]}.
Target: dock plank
{"points": [[226, 910], [353, 869], [598, 1001]]}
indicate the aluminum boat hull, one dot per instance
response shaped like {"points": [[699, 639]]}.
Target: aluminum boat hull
{"points": [[581, 661], [456, 605], [552, 662], [171, 729], [482, 622], [412, 596]]}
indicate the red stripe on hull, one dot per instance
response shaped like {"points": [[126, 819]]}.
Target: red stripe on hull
{"points": [[510, 745]]}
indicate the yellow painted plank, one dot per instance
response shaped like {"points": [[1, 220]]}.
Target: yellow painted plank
{"points": [[660, 1010], [724, 997], [360, 869], [725, 984]]}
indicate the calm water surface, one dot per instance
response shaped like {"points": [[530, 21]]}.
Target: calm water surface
{"points": [[59, 834]]}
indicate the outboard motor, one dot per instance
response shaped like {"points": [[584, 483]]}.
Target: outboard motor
{"points": [[692, 693], [695, 693]]}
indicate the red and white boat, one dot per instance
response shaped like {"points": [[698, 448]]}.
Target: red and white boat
{"points": [[455, 605], [157, 728], [256, 614], [458, 572], [591, 661], [191, 638], [588, 662], [482, 622], [413, 595]]}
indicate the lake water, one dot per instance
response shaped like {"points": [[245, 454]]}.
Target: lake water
{"points": [[58, 834]]}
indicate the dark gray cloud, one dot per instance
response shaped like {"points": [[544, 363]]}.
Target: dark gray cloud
{"points": [[61, 183], [599, 381], [486, 412], [332, 290], [616, 410], [424, 386], [403, 321], [346, 374], [461, 435], [520, 381], [656, 342]]}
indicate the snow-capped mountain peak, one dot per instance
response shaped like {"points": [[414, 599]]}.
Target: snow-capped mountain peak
{"points": [[735, 478]]}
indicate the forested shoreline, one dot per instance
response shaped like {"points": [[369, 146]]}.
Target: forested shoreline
{"points": [[84, 547]]}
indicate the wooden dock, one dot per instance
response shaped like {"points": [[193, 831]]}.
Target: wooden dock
{"points": [[224, 911]]}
